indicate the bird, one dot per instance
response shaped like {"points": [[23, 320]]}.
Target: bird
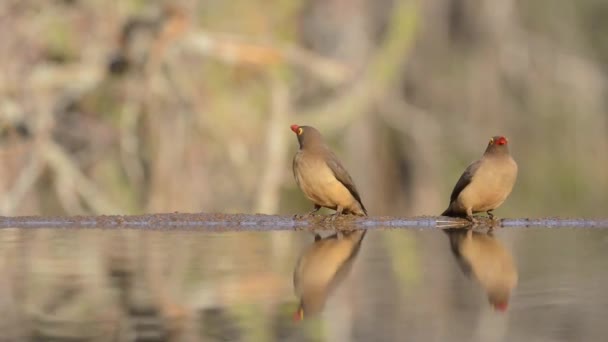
{"points": [[321, 267], [485, 259], [486, 183], [321, 176]]}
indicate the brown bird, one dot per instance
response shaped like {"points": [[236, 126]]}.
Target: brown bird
{"points": [[322, 267], [485, 259], [486, 183], [321, 176]]}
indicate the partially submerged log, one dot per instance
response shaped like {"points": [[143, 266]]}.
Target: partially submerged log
{"points": [[259, 222]]}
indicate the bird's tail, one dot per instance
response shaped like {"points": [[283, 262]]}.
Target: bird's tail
{"points": [[363, 209], [451, 213]]}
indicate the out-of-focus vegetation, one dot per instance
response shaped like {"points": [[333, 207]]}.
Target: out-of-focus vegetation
{"points": [[150, 106]]}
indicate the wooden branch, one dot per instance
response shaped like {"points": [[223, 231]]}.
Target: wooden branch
{"points": [[23, 185], [238, 50], [62, 165], [259, 222]]}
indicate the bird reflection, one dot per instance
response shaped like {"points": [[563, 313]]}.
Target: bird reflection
{"points": [[484, 258], [321, 267]]}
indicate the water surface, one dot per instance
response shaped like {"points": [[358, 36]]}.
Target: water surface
{"points": [[518, 284]]}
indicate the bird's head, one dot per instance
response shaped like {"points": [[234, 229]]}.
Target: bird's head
{"points": [[297, 129], [307, 135], [498, 144]]}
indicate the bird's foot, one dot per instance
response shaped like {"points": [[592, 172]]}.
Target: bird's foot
{"points": [[473, 220], [308, 214], [337, 214], [495, 223], [333, 217]]}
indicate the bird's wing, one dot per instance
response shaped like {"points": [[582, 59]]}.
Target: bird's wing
{"points": [[465, 179], [294, 164], [342, 175]]}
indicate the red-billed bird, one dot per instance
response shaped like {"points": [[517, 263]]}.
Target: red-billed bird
{"points": [[486, 183], [321, 176]]}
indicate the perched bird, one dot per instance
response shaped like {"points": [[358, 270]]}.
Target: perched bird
{"points": [[322, 267], [485, 259], [321, 176], [486, 183]]}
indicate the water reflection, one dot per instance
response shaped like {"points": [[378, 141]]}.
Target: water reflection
{"points": [[321, 267], [177, 285], [484, 258]]}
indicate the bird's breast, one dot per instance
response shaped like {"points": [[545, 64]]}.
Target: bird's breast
{"points": [[319, 183], [491, 184]]}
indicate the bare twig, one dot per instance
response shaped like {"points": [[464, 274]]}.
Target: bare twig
{"points": [[26, 181], [231, 49], [129, 143], [67, 195], [63, 166]]}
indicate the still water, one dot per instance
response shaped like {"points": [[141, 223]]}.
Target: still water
{"points": [[532, 284]]}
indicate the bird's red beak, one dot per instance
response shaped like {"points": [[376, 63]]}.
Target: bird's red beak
{"points": [[502, 141], [502, 306], [294, 128], [298, 315]]}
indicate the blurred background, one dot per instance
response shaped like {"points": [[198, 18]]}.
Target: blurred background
{"points": [[155, 106], [135, 106]]}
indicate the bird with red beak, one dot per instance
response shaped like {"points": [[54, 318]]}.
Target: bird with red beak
{"points": [[486, 183], [321, 176]]}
